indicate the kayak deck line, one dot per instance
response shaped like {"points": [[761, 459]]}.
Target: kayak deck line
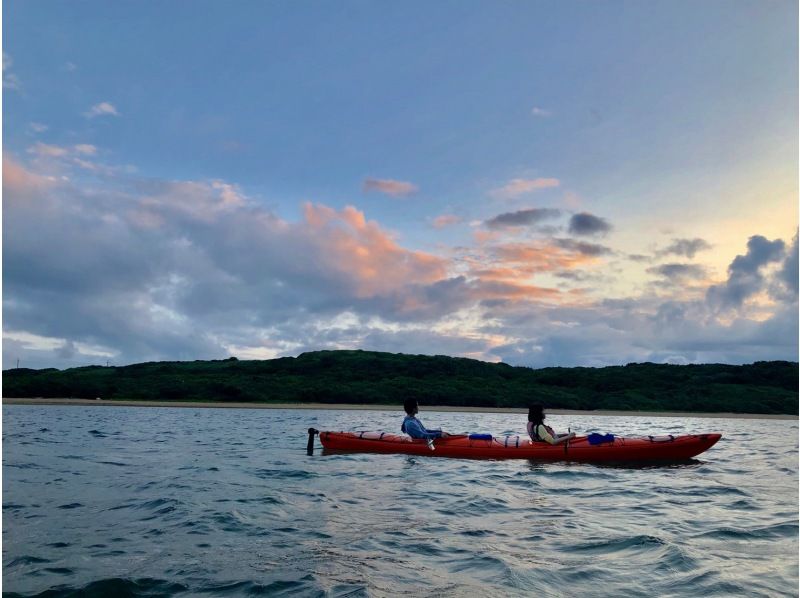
{"points": [[647, 448]]}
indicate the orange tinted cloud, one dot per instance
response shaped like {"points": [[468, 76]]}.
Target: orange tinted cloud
{"points": [[482, 236], [513, 291], [543, 257], [505, 271], [17, 179], [499, 273], [367, 255]]}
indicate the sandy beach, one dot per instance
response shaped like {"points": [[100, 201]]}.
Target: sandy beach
{"points": [[318, 406]]}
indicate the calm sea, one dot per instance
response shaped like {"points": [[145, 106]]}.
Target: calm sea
{"points": [[119, 501]]}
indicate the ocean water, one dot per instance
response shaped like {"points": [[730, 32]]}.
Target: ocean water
{"points": [[130, 501]]}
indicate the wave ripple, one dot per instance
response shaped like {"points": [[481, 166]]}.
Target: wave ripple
{"points": [[216, 502]]}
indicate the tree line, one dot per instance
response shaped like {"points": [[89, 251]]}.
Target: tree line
{"points": [[368, 377]]}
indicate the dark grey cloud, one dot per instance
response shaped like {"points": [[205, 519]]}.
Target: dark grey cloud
{"points": [[420, 303], [787, 278], [679, 272], [685, 247], [574, 275], [527, 217], [760, 251], [67, 350], [745, 278], [586, 224], [582, 247]]}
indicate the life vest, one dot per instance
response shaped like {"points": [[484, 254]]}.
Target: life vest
{"points": [[533, 432]]}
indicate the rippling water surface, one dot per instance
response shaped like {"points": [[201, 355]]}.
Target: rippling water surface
{"points": [[116, 501]]}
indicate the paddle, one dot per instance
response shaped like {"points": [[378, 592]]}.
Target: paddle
{"points": [[310, 446]]}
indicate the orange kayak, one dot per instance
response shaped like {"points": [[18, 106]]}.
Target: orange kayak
{"points": [[648, 448]]}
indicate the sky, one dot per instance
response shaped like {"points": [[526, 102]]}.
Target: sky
{"points": [[542, 183]]}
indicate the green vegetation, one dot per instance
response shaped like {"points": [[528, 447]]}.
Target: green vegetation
{"points": [[385, 378]]}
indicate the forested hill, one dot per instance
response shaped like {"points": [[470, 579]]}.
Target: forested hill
{"points": [[370, 377]]}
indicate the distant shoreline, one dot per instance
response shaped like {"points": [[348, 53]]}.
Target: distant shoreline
{"points": [[349, 406]]}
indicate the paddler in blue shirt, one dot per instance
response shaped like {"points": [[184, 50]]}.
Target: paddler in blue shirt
{"points": [[413, 427]]}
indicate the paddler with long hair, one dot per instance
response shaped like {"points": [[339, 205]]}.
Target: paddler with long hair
{"points": [[542, 433]]}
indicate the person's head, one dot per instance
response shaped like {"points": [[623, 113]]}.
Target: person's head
{"points": [[536, 414], [410, 406]]}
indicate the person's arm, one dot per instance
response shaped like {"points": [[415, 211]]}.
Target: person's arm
{"points": [[415, 429], [544, 434], [564, 437], [438, 433]]}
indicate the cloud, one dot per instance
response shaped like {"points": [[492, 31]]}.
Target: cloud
{"points": [[745, 277], [38, 127], [574, 275], [685, 247], [178, 268], [514, 261], [134, 269], [86, 149], [10, 80], [510, 291], [516, 187], [50, 151], [522, 218], [102, 109], [583, 248], [679, 272], [389, 187], [19, 182], [445, 220], [359, 250], [587, 224], [784, 286], [637, 330], [541, 112], [788, 273], [65, 157], [638, 257]]}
